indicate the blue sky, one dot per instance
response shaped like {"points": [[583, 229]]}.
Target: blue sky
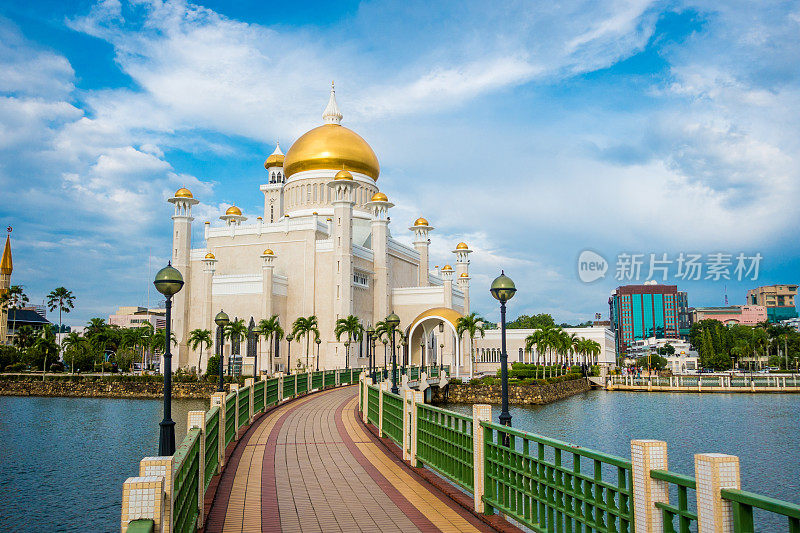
{"points": [[531, 131]]}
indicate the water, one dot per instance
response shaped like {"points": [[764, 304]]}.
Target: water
{"points": [[763, 430], [64, 459]]}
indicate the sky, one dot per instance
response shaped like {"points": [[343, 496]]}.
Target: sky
{"points": [[642, 132]]}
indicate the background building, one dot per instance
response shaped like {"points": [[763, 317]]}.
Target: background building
{"points": [[747, 315], [132, 317], [643, 311], [778, 299], [684, 316]]}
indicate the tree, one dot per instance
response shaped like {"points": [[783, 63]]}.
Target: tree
{"points": [[24, 337], [354, 330], [201, 338], [271, 329], [212, 369], [45, 346], [539, 321], [235, 331], [472, 325], [667, 349], [63, 300], [304, 327], [158, 342]]}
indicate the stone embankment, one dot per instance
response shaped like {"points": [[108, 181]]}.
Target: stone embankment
{"points": [[92, 387], [517, 394]]}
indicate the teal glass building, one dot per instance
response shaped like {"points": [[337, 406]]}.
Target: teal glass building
{"points": [[643, 311]]}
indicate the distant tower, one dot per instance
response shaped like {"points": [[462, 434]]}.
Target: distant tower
{"points": [[447, 279], [421, 230], [209, 267], [342, 191], [181, 248], [462, 252], [6, 267], [273, 189], [380, 205]]}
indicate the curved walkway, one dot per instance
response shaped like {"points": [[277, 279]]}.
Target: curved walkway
{"points": [[310, 466]]}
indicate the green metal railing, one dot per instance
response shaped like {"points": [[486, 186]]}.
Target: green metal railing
{"points": [[258, 397], [302, 383], [445, 443], [272, 391], [288, 385], [372, 405], [185, 491], [540, 482], [318, 380], [686, 518], [230, 417], [743, 503], [212, 445], [393, 417], [244, 406], [143, 525], [330, 378]]}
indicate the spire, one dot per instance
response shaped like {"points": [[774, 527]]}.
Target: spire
{"points": [[332, 115], [277, 149], [6, 265]]}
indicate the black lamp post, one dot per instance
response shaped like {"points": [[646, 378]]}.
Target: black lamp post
{"points": [[257, 333], [289, 339], [221, 320], [404, 344], [393, 321], [422, 361], [371, 351], [168, 282], [318, 341], [503, 290]]}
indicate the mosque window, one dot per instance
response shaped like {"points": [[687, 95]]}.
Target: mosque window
{"points": [[272, 178], [360, 280], [520, 355], [272, 213]]}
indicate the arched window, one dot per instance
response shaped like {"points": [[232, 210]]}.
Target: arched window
{"points": [[272, 178], [272, 213], [520, 356]]}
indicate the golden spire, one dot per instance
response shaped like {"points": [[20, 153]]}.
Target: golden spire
{"points": [[6, 265], [332, 115]]}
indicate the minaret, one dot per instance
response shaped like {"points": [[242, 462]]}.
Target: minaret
{"points": [[209, 267], [342, 185], [462, 252], [421, 243], [267, 275], [332, 115], [380, 205], [447, 278], [181, 247], [273, 189], [6, 268]]}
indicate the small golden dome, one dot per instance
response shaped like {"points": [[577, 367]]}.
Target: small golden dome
{"points": [[379, 197], [462, 246], [207, 222], [328, 147], [447, 268], [209, 255], [421, 222], [315, 213], [233, 210], [268, 251], [183, 192], [274, 160], [464, 275], [343, 175], [259, 218]]}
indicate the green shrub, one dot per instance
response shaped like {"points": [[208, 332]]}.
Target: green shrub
{"points": [[16, 367], [58, 366]]}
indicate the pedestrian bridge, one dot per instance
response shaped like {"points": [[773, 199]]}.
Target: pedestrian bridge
{"points": [[333, 451]]}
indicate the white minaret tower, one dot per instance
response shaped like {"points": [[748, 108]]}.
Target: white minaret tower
{"points": [[342, 185], [267, 275], [421, 230], [181, 246], [273, 189], [380, 205], [447, 278], [209, 267], [462, 252]]}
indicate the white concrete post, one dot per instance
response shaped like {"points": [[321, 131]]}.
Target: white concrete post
{"points": [[383, 388], [647, 455], [408, 405], [218, 400], [295, 386], [337, 381], [480, 412], [280, 388], [309, 383], [713, 472], [160, 467], [416, 397], [264, 379], [143, 498], [365, 411], [235, 388], [250, 382], [197, 419]]}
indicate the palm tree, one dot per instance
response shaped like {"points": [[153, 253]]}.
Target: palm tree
{"points": [[13, 299], [235, 331], [354, 330], [158, 341], [472, 325], [271, 329], [200, 337], [304, 327], [47, 345], [24, 337], [98, 335], [71, 343], [61, 299]]}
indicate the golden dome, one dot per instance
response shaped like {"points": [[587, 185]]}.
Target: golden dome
{"points": [[183, 192], [379, 197], [268, 251], [209, 255], [464, 275], [447, 268], [233, 210], [329, 147], [274, 160], [421, 222], [343, 175], [462, 246]]}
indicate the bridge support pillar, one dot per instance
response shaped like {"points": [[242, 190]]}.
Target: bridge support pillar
{"points": [[647, 455], [197, 419], [235, 388], [218, 400], [713, 472], [480, 412], [250, 382], [160, 467], [143, 498]]}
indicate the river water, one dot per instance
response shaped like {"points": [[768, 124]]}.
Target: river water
{"points": [[63, 460]]}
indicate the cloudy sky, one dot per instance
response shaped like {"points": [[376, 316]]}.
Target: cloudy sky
{"points": [[533, 131]]}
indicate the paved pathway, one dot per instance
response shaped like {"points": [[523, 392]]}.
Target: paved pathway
{"points": [[310, 466]]}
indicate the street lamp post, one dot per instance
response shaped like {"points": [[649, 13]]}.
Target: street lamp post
{"points": [[257, 333], [289, 339], [503, 290], [221, 320], [393, 321], [404, 344], [318, 341], [371, 352], [168, 282]]}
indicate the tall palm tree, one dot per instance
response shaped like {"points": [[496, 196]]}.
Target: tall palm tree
{"points": [[63, 300], [201, 338], [472, 325], [354, 330], [271, 329], [97, 333], [304, 327], [13, 299], [235, 331], [71, 343], [158, 341], [46, 344]]}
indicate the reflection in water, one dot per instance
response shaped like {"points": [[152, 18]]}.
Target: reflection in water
{"points": [[64, 459]]}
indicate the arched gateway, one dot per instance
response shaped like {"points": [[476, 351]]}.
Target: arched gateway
{"points": [[432, 339]]}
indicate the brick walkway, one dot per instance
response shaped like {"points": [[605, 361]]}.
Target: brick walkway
{"points": [[309, 466]]}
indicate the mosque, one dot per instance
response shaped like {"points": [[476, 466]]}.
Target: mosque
{"points": [[322, 247]]}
